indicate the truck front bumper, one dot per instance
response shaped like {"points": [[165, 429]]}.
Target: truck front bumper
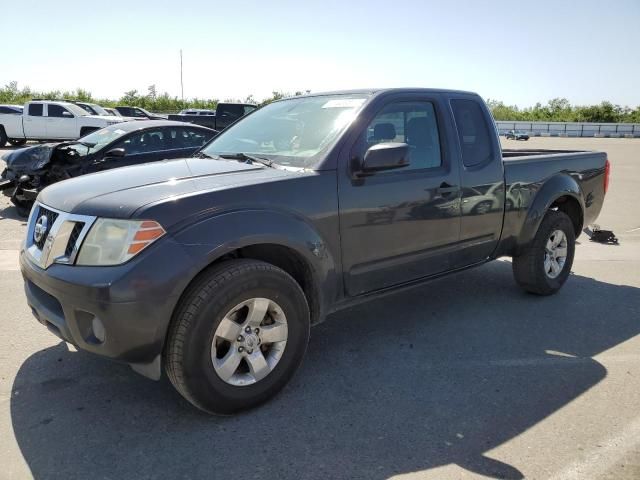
{"points": [[120, 312]]}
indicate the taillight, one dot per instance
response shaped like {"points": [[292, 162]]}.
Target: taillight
{"points": [[607, 174]]}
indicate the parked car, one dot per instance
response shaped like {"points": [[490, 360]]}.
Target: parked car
{"points": [[92, 108], [31, 169], [516, 135], [224, 115], [13, 110], [51, 120], [138, 113], [197, 111], [214, 267]]}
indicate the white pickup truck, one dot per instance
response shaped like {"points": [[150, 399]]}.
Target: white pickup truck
{"points": [[51, 120]]}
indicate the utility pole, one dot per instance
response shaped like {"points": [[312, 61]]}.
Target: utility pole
{"points": [[181, 84]]}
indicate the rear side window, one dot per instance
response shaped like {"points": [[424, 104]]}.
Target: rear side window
{"points": [[196, 138], [186, 138], [35, 109], [234, 111], [473, 132]]}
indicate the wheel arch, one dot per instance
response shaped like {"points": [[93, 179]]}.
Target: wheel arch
{"points": [[284, 257], [280, 238], [561, 192]]}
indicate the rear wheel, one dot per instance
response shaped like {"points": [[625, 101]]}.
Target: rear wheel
{"points": [[3, 137], [237, 337], [545, 264]]}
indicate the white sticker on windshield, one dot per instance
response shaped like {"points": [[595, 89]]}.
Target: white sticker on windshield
{"points": [[119, 132], [344, 103]]}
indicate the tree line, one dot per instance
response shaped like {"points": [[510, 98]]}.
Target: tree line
{"points": [[556, 110], [560, 110], [150, 100]]}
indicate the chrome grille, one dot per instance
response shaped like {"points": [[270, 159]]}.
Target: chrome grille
{"points": [[73, 239], [51, 217], [62, 238]]}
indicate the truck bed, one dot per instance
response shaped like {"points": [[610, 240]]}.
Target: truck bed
{"points": [[513, 152], [528, 171]]}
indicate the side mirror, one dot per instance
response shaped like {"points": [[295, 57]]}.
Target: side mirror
{"points": [[385, 156], [67, 114], [115, 152]]}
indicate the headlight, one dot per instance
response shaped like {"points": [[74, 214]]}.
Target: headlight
{"points": [[112, 242]]}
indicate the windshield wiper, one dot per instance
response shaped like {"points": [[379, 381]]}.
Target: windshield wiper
{"points": [[243, 157], [202, 155]]}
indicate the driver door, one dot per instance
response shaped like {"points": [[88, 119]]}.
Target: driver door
{"points": [[399, 225]]}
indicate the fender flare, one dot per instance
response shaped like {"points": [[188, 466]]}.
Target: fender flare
{"points": [[560, 185], [230, 231]]}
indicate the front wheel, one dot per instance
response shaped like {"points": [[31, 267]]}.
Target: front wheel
{"points": [[544, 265], [237, 337]]}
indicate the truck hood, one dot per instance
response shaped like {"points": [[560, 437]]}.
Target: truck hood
{"points": [[30, 159], [110, 118], [118, 193]]}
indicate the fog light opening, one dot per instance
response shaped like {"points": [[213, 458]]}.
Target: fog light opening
{"points": [[98, 329]]}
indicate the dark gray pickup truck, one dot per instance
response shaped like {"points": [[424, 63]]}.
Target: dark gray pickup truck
{"points": [[214, 267], [224, 115]]}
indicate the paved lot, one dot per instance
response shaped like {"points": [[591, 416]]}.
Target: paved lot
{"points": [[464, 378]]}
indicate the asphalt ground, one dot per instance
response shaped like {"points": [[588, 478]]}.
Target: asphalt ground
{"points": [[466, 377]]}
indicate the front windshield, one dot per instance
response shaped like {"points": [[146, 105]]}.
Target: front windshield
{"points": [[99, 110], [293, 132], [97, 140]]}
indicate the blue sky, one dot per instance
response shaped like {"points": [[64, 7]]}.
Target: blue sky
{"points": [[519, 52]]}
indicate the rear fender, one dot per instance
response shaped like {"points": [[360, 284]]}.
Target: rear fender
{"points": [[559, 185]]}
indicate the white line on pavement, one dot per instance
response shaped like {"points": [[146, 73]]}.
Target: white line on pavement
{"points": [[599, 460]]}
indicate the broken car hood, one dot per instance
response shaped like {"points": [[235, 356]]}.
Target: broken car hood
{"points": [[30, 159]]}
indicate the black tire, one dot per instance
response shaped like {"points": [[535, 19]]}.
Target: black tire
{"points": [[3, 137], [529, 267], [87, 130], [188, 349], [17, 142], [22, 207]]}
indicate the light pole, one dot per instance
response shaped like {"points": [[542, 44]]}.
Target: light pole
{"points": [[181, 83]]}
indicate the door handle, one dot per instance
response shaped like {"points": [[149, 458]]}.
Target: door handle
{"points": [[445, 189]]}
